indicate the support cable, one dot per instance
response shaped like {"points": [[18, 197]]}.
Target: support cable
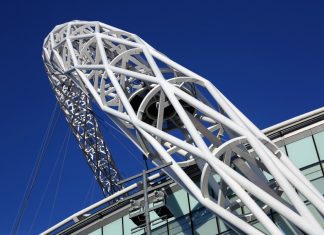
{"points": [[87, 197], [35, 172], [63, 146], [60, 178], [106, 124]]}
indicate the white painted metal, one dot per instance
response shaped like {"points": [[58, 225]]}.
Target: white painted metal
{"points": [[174, 115], [293, 120]]}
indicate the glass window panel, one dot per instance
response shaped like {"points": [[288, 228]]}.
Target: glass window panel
{"points": [[180, 226], [223, 226], [316, 214], [115, 227], [285, 226], [319, 140], [161, 230], [156, 221], [259, 227], [194, 204], [302, 152], [129, 225], [313, 172], [267, 175], [216, 177], [204, 222], [319, 184], [97, 232], [178, 203]]}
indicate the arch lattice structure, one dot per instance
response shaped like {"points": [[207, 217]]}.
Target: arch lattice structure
{"points": [[76, 106], [174, 115]]}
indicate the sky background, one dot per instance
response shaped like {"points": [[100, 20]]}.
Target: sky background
{"points": [[267, 57]]}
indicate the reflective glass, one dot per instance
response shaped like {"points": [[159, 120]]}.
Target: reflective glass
{"points": [[223, 226], [129, 225], [178, 203], [319, 140], [285, 226], [156, 221], [316, 214], [204, 222], [313, 172], [97, 232], [115, 227], [260, 227], [302, 152], [160, 230], [194, 204], [180, 226], [319, 184]]}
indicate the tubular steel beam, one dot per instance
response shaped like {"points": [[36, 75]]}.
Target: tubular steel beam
{"points": [[174, 115]]}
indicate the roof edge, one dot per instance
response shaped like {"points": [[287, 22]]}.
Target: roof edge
{"points": [[293, 121]]}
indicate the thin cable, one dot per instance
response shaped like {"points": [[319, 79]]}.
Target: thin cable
{"points": [[112, 126], [60, 178], [87, 197], [48, 182], [128, 150], [92, 194], [35, 172], [105, 123]]}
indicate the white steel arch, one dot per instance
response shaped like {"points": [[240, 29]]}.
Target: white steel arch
{"points": [[174, 115]]}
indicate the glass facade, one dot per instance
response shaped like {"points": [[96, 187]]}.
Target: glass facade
{"points": [[190, 218], [302, 152]]}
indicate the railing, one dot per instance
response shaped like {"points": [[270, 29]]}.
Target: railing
{"points": [[76, 217]]}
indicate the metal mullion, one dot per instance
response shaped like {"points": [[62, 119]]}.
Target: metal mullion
{"points": [[318, 156]]}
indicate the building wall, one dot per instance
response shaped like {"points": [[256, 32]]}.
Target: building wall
{"points": [[305, 147]]}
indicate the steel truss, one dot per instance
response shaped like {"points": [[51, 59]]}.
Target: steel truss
{"points": [[174, 115], [80, 117]]}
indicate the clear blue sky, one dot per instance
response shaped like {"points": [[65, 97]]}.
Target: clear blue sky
{"points": [[267, 57]]}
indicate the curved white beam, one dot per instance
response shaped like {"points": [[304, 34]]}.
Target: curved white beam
{"points": [[162, 108]]}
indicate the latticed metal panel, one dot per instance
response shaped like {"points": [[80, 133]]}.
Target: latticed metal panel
{"points": [[76, 107]]}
